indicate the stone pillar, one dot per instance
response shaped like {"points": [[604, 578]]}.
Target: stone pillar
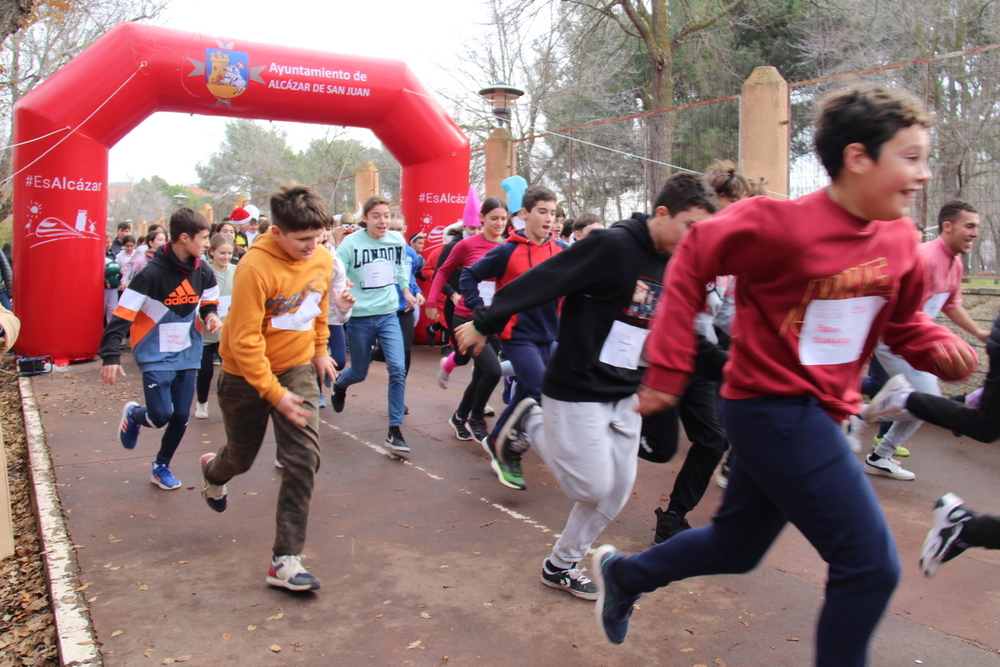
{"points": [[206, 210], [501, 161], [240, 201], [765, 129], [365, 184]]}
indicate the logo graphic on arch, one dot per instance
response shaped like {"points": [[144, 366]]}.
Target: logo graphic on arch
{"points": [[227, 73]]}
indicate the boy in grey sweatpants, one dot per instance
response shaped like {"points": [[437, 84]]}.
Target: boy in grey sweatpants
{"points": [[589, 436]]}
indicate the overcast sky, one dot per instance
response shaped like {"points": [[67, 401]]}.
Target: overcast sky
{"points": [[424, 34]]}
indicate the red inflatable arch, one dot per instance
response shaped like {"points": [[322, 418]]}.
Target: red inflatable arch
{"points": [[65, 127]]}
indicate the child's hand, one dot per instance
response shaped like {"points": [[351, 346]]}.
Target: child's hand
{"points": [[652, 401], [469, 340], [212, 323], [325, 370], [109, 372], [290, 407], [954, 359]]}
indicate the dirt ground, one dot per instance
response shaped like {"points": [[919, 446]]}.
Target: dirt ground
{"points": [[27, 631]]}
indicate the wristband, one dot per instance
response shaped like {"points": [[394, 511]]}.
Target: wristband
{"points": [[477, 330]]}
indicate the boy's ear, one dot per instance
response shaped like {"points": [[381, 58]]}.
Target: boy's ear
{"points": [[856, 158]]}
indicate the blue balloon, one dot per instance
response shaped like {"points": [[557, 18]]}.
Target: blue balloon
{"points": [[514, 187]]}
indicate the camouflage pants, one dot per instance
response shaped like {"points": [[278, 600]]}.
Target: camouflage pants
{"points": [[245, 416]]}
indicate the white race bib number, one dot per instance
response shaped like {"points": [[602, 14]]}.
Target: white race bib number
{"points": [[623, 346], [378, 274], [487, 289], [935, 304], [835, 331], [175, 336]]}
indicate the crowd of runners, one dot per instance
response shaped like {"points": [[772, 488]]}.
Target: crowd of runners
{"points": [[746, 318]]}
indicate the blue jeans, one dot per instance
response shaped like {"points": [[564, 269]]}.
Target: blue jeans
{"points": [[168, 403], [529, 360], [361, 335], [790, 463]]}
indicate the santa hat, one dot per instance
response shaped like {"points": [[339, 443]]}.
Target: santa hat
{"points": [[245, 214]]}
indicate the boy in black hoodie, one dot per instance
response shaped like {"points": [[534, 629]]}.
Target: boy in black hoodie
{"points": [[589, 438]]}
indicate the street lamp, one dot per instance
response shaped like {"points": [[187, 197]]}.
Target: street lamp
{"points": [[500, 95], [179, 199]]}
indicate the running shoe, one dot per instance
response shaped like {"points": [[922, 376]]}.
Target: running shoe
{"points": [[668, 524], [901, 451], [571, 579], [201, 411], [442, 375], [614, 607], [512, 440], [163, 478], [337, 398], [287, 572], [876, 465], [944, 539], [489, 410], [458, 426], [509, 474], [722, 474], [890, 400], [214, 494], [395, 444], [128, 428], [321, 401], [852, 427], [478, 427]]}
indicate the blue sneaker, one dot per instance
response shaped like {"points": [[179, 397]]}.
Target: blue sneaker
{"points": [[508, 389], [287, 572], [163, 478], [214, 495], [321, 403], [128, 428], [613, 607]]}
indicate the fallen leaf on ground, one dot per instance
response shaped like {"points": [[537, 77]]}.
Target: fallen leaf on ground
{"points": [[116, 633], [226, 636], [275, 617], [413, 645], [275, 648]]}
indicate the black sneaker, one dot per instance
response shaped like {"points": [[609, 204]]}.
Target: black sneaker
{"points": [[722, 474], [478, 427], [668, 524], [458, 426], [337, 398], [572, 580], [395, 444], [512, 440]]}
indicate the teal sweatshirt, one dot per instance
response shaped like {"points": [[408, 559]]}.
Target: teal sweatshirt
{"points": [[375, 268]]}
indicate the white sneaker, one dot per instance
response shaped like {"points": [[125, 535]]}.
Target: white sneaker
{"points": [[890, 400], [277, 464], [201, 411], [943, 541], [852, 431], [876, 465], [442, 376], [489, 411]]}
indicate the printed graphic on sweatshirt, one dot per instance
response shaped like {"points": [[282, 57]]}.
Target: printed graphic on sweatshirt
{"points": [[295, 312], [624, 344], [644, 300], [836, 314]]}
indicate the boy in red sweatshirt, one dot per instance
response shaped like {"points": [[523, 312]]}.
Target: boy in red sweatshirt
{"points": [[820, 279]]}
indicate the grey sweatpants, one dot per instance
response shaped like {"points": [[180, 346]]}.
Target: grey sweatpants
{"points": [[921, 381], [592, 450]]}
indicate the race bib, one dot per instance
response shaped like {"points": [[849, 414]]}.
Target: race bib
{"points": [[835, 331], [935, 304], [378, 274], [487, 289], [623, 346], [175, 336], [223, 309], [302, 318]]}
